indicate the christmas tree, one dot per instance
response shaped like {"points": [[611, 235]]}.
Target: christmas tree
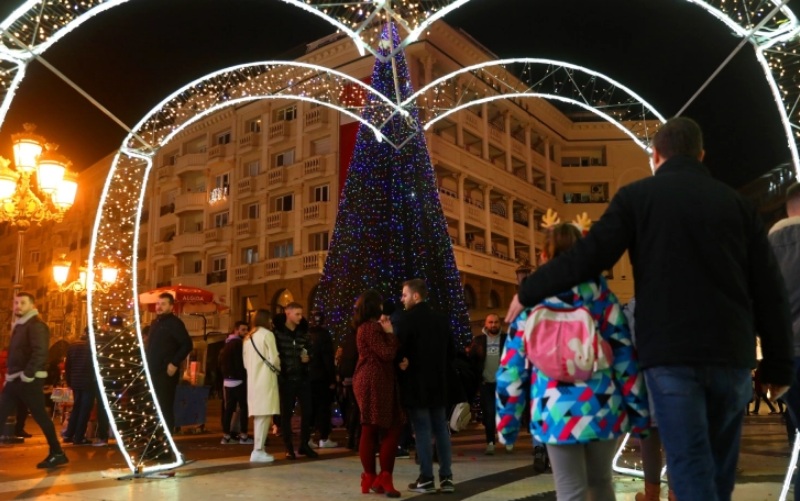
{"points": [[390, 226]]}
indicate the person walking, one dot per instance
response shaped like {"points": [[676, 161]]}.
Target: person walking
{"points": [[79, 374], [426, 354], [167, 346], [784, 237], [484, 354], [26, 369], [234, 386], [375, 388], [687, 232], [322, 378], [293, 348], [263, 365]]}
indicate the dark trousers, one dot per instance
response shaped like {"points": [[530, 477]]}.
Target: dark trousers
{"points": [[234, 396], [488, 410], [32, 395], [83, 401], [352, 418], [321, 398], [22, 415], [792, 398], [165, 388], [292, 391]]}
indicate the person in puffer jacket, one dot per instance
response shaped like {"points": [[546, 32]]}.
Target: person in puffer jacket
{"points": [[579, 422]]}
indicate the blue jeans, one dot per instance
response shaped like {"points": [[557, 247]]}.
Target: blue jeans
{"points": [[792, 398], [424, 420], [700, 412], [83, 401]]}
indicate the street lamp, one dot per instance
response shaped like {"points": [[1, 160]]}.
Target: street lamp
{"points": [[39, 188], [107, 274]]}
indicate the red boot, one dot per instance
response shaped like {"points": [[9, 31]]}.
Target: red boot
{"points": [[383, 484], [367, 479]]}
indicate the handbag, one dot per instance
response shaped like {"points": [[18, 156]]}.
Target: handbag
{"points": [[271, 367]]}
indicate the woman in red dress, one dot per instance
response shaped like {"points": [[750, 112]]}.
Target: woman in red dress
{"points": [[375, 388]]}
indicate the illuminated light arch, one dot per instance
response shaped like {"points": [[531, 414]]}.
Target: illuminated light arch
{"points": [[137, 420], [545, 78]]}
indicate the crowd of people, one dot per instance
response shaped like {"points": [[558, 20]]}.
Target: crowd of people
{"points": [[672, 367]]}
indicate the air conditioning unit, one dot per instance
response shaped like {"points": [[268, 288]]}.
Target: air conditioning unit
{"points": [[597, 189]]}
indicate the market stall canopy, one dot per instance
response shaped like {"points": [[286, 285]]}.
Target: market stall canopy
{"points": [[187, 299]]}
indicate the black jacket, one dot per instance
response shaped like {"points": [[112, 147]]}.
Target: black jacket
{"points": [[231, 361], [290, 345], [78, 370], [28, 349], [426, 341], [706, 279], [169, 343], [321, 367]]}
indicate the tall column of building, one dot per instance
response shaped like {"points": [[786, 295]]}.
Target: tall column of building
{"points": [[487, 217], [547, 172], [485, 132], [528, 155], [462, 210], [460, 120], [532, 236], [507, 138], [512, 252]]}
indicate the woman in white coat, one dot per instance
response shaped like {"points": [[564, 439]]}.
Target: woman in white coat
{"points": [[263, 365]]}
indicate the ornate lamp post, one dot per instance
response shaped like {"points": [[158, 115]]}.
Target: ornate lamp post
{"points": [[107, 274], [39, 188]]}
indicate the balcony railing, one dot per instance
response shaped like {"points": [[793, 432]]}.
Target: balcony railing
{"points": [[315, 213], [247, 228], [249, 140], [217, 277], [276, 176], [245, 186], [243, 273], [190, 201], [314, 166], [217, 151], [316, 117], [277, 222], [278, 132], [190, 162]]}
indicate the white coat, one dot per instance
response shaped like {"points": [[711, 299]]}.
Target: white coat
{"points": [[263, 398]]}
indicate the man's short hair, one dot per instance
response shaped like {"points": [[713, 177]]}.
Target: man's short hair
{"points": [[793, 193], [27, 295], [680, 136], [240, 323], [294, 306], [167, 296], [491, 315], [419, 286]]}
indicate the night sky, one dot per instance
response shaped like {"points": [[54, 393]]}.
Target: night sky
{"points": [[134, 55]]}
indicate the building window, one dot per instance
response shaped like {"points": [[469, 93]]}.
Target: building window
{"points": [[171, 158], [220, 219], [286, 114], [34, 257], [223, 137], [250, 255], [222, 181], [253, 125], [219, 262], [283, 158], [252, 169], [320, 193], [284, 203], [250, 211], [318, 241], [469, 297], [219, 269], [284, 248], [494, 300], [198, 267], [321, 146]]}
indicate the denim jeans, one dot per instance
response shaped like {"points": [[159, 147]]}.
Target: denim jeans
{"points": [[700, 412], [792, 398], [434, 419], [83, 401]]}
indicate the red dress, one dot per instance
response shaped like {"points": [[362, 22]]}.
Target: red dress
{"points": [[375, 380]]}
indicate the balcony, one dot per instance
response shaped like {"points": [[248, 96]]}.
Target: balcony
{"points": [[472, 121], [314, 261], [499, 224], [217, 277], [276, 176], [166, 209], [449, 202], [248, 228], [190, 202], [316, 118], [245, 186], [190, 162], [188, 242], [315, 213], [162, 249], [277, 222], [190, 280], [475, 214], [274, 267], [484, 265], [214, 236], [278, 132], [249, 141], [315, 166], [165, 172], [497, 135], [217, 151], [242, 274]]}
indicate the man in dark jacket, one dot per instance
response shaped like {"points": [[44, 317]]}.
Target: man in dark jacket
{"points": [[79, 374], [26, 371], [167, 346], [706, 282], [322, 377], [484, 353], [234, 390], [294, 350], [785, 240], [426, 354]]}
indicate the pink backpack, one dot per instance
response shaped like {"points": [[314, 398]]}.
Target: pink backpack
{"points": [[564, 343]]}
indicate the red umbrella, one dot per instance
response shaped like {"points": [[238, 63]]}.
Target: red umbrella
{"points": [[183, 295]]}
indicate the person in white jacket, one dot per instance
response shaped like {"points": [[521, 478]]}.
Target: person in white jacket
{"points": [[263, 365]]}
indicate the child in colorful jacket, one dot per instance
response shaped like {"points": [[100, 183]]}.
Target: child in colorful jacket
{"points": [[579, 422]]}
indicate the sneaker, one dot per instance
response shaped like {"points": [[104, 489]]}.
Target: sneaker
{"points": [[99, 442], [245, 440], [23, 434], [490, 449], [423, 485], [53, 461], [328, 444], [402, 453], [307, 451], [446, 485], [509, 448], [227, 440], [312, 444], [261, 457], [66, 440], [539, 459]]}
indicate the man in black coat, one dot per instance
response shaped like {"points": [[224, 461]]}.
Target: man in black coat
{"points": [[484, 353], [322, 377], [26, 371], [706, 283], [79, 374], [234, 386], [168, 345], [426, 354]]}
